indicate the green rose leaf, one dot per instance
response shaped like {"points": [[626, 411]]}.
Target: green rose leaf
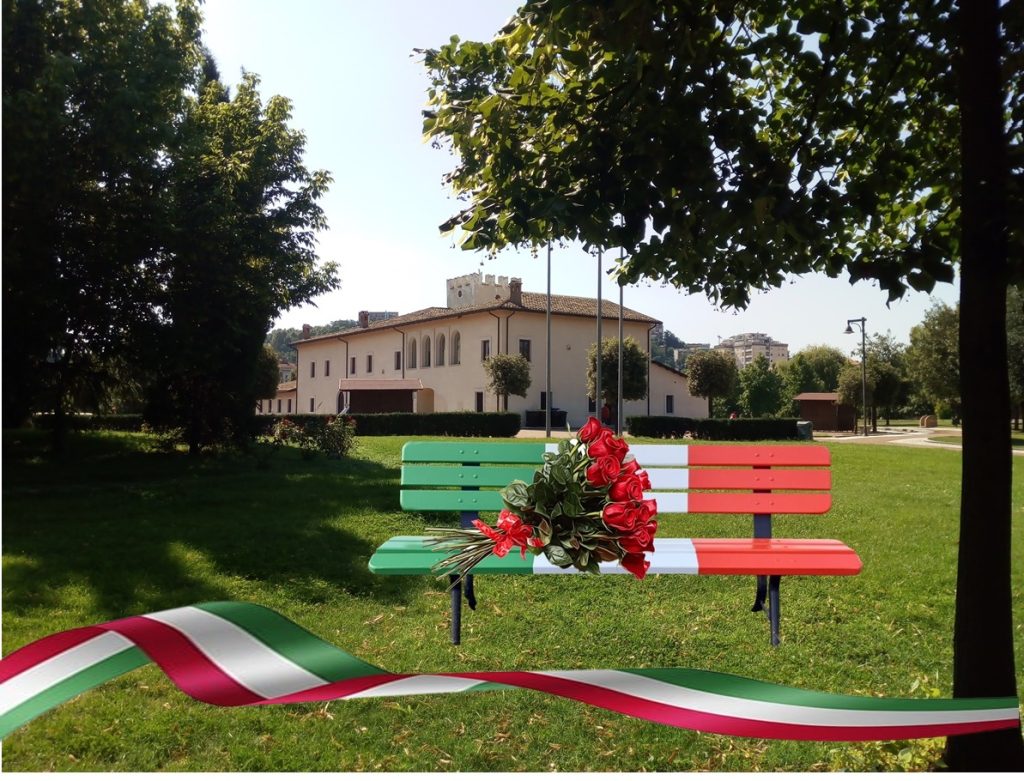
{"points": [[516, 494], [557, 556]]}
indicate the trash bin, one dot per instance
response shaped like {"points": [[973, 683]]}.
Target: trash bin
{"points": [[805, 429]]}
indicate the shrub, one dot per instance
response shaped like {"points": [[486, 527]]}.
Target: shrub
{"points": [[383, 424], [92, 422], [740, 429], [330, 435]]}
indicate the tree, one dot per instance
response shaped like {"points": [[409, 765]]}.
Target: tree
{"points": [[1015, 349], [760, 388], [853, 386], [724, 147], [91, 93], [634, 371], [933, 358], [507, 375], [711, 374], [826, 365], [241, 250]]}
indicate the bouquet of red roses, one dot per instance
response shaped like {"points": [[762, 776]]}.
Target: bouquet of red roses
{"points": [[585, 506]]}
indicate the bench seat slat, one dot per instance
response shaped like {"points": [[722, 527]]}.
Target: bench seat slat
{"points": [[466, 476], [738, 479], [727, 504], [476, 452], [731, 455], [411, 556]]}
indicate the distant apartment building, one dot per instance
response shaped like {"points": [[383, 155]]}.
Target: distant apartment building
{"points": [[746, 347], [431, 360], [680, 354]]}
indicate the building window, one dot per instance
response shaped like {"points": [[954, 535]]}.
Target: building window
{"points": [[398, 360], [278, 405], [426, 351], [312, 401], [312, 368], [485, 349], [369, 364], [524, 348], [440, 350], [327, 368], [543, 400], [479, 401], [670, 404], [456, 348], [412, 354], [352, 365], [289, 406]]}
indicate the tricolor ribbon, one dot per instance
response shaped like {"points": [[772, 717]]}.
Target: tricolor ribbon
{"points": [[234, 653]]}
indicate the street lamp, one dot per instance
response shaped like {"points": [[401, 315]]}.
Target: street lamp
{"points": [[862, 322]]}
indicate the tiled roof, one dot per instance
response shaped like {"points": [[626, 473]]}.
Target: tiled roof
{"points": [[287, 386], [809, 396], [575, 306]]}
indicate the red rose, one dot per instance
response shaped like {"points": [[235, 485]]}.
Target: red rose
{"points": [[607, 444], [590, 430], [636, 563], [648, 509], [626, 488], [602, 471], [623, 516], [642, 538]]}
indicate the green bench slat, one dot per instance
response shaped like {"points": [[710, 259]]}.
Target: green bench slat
{"points": [[461, 501], [475, 452], [465, 476]]}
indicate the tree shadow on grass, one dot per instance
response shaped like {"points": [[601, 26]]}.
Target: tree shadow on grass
{"points": [[124, 532]]}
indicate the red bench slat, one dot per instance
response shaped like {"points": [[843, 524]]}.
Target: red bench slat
{"points": [[776, 556]]}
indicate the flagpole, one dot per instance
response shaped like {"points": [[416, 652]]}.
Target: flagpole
{"points": [[547, 370], [598, 406]]}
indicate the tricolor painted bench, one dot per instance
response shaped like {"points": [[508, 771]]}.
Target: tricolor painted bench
{"points": [[756, 480]]}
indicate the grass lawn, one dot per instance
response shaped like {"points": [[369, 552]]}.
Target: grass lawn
{"points": [[1017, 443], [117, 528]]}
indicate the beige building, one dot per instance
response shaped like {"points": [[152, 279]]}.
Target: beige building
{"points": [[431, 360], [746, 347]]}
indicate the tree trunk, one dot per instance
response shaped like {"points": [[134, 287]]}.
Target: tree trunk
{"points": [[983, 663]]}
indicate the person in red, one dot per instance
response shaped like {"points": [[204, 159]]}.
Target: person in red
{"points": [[606, 414]]}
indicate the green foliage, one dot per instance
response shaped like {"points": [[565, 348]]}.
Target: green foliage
{"points": [[1015, 342], [279, 338], [760, 388], [746, 138], [723, 429], [92, 92], [153, 226], [508, 374], [245, 215], [711, 373], [451, 424], [634, 370], [852, 384], [933, 360], [129, 422], [333, 436]]}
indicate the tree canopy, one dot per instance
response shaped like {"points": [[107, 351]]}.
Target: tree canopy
{"points": [[634, 370], [725, 146], [711, 374], [508, 375], [153, 225]]}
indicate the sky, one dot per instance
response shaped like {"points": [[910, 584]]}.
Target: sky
{"points": [[358, 88]]}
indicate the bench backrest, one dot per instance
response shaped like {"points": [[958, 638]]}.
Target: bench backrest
{"points": [[744, 479]]}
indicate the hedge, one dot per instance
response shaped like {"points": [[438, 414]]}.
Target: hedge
{"points": [[738, 429], [91, 422], [450, 424]]}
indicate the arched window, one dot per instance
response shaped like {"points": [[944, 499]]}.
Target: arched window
{"points": [[456, 349], [426, 351], [411, 359], [440, 350]]}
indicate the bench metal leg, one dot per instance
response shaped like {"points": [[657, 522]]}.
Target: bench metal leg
{"points": [[760, 594], [470, 593], [773, 606], [456, 591]]}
